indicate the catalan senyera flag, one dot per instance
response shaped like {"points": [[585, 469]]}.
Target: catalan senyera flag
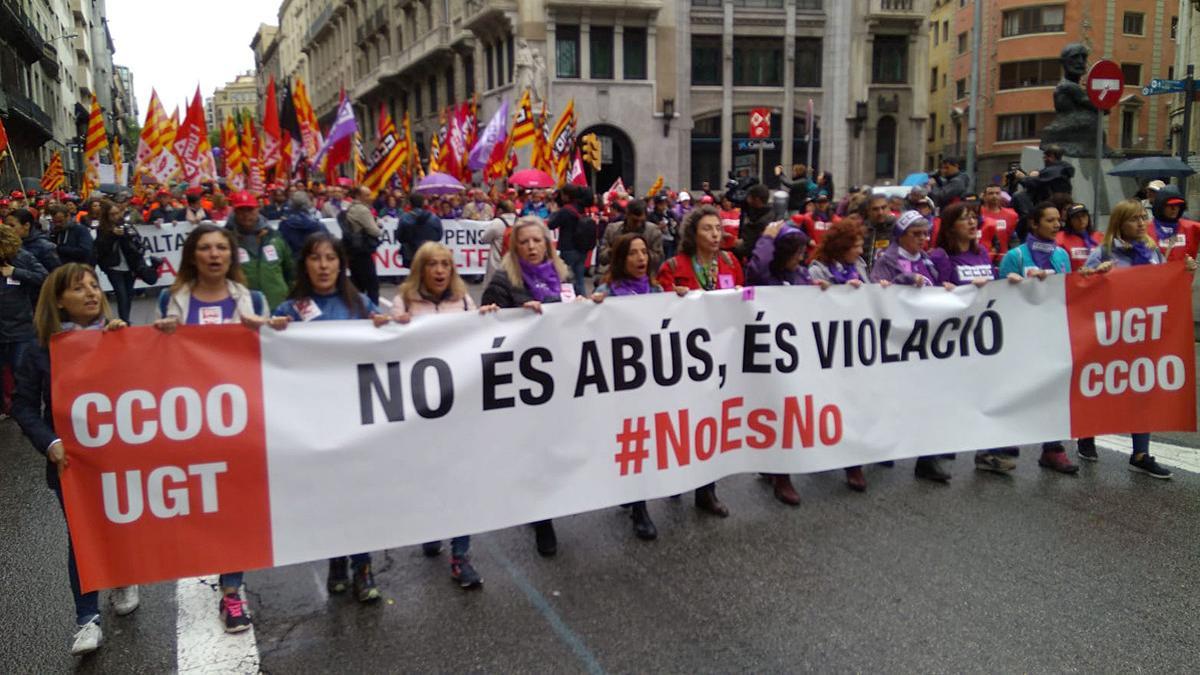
{"points": [[149, 143], [360, 163], [543, 157], [563, 141], [272, 134], [656, 187], [389, 155], [118, 159], [53, 178], [413, 163], [310, 130], [97, 140], [163, 164], [235, 161], [523, 124]]}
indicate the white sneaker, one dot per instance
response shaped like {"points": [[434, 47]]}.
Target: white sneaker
{"points": [[87, 638], [124, 599]]}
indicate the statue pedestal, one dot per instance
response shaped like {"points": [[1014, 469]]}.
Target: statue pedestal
{"points": [[1112, 188]]}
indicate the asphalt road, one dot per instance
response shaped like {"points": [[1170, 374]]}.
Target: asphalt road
{"points": [[1033, 572]]}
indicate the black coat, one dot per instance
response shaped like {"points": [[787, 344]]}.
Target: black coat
{"points": [[415, 228], [31, 404], [43, 249], [107, 245], [18, 296], [501, 292], [949, 190], [74, 243]]}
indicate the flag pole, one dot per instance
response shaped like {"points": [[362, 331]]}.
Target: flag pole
{"points": [[17, 169]]}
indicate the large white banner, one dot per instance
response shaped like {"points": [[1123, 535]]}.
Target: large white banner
{"points": [[244, 449]]}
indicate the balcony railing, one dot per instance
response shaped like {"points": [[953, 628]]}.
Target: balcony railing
{"points": [[897, 8], [318, 24], [34, 115], [20, 31]]}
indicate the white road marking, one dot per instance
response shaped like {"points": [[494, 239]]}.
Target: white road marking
{"points": [[1174, 456], [202, 645]]}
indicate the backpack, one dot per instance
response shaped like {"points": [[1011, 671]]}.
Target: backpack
{"points": [[584, 238], [357, 240]]}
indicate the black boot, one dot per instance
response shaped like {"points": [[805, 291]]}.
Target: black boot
{"points": [[930, 468], [547, 541], [643, 527], [706, 500]]}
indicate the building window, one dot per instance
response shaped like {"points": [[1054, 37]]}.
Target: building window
{"points": [[808, 62], [936, 33], [488, 55], [1021, 127], [634, 46], [933, 79], [757, 62], [1128, 127], [1170, 72], [510, 47], [885, 147], [1030, 20], [706, 59], [566, 50], [433, 97], [601, 52], [960, 89], [945, 30], [1174, 27], [932, 127], [963, 39], [450, 86], [417, 102], [889, 59], [1132, 72], [1021, 74], [1133, 23]]}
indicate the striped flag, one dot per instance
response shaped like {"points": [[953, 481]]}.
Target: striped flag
{"points": [[543, 158], [235, 161], [360, 163], [166, 164], [390, 154], [53, 178], [118, 159], [272, 138], [563, 141], [523, 127], [97, 140], [310, 130], [149, 144]]}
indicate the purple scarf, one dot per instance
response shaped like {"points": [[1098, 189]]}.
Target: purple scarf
{"points": [[638, 286], [541, 280], [1041, 250], [843, 273], [1141, 253]]}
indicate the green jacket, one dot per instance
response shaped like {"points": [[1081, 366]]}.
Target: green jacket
{"points": [[266, 260]]}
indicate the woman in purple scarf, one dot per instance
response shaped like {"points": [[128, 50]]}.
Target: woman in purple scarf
{"points": [[629, 274], [778, 260], [531, 273]]}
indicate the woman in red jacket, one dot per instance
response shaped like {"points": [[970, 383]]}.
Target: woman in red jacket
{"points": [[1079, 236], [701, 265]]}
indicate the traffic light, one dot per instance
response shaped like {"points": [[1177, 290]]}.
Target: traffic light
{"points": [[591, 150]]}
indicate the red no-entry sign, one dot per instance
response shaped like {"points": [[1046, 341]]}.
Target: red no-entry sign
{"points": [[1104, 84]]}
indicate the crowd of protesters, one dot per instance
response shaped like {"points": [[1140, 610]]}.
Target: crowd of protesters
{"points": [[268, 261]]}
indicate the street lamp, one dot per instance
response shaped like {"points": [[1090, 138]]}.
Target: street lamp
{"points": [[668, 114]]}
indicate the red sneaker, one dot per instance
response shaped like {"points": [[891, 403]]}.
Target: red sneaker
{"points": [[1058, 461], [855, 479]]}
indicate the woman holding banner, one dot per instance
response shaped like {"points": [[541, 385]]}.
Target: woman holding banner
{"points": [[960, 261], [530, 274], [701, 265], [629, 274], [71, 299], [1127, 243], [323, 292], [778, 260], [210, 289], [433, 286], [1038, 257], [904, 262], [839, 261]]}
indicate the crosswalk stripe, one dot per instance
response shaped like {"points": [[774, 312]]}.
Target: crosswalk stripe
{"points": [[1168, 454]]}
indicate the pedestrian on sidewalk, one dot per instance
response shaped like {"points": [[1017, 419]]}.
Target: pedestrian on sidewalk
{"points": [[71, 299]]}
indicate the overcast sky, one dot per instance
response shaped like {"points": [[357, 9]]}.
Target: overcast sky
{"points": [[173, 45]]}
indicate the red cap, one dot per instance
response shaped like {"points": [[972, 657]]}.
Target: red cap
{"points": [[797, 218], [163, 192], [194, 191], [4, 202], [243, 200], [706, 199], [344, 181], [1175, 200], [136, 201], [17, 194], [272, 186]]}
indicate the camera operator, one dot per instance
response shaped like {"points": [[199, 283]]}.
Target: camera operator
{"points": [[756, 215]]}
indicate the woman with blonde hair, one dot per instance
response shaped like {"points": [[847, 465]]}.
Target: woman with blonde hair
{"points": [[434, 286], [531, 273], [71, 299], [1128, 243]]}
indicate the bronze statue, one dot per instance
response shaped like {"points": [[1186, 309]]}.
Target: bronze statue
{"points": [[1074, 125]]}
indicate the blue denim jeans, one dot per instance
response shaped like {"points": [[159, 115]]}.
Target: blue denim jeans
{"points": [[10, 357], [122, 283], [87, 605], [1141, 444], [575, 261]]}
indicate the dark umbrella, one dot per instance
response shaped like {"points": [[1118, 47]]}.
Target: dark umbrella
{"points": [[31, 184], [1152, 167]]}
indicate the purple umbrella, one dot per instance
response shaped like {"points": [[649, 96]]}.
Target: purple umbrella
{"points": [[439, 184]]}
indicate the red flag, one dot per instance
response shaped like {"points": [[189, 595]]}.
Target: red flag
{"points": [[272, 135], [188, 140], [3, 139], [577, 176]]}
